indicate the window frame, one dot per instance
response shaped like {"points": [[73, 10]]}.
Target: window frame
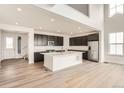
{"points": [[115, 45], [7, 37], [116, 9]]}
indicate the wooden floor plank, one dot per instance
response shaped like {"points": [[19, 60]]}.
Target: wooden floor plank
{"points": [[20, 74]]}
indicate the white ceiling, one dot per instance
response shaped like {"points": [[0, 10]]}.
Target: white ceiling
{"points": [[34, 17]]}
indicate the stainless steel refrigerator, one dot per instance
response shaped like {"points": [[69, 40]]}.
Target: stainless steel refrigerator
{"points": [[93, 52]]}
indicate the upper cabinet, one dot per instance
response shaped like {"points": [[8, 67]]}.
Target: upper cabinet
{"points": [[42, 40], [35, 40], [93, 37], [83, 40], [78, 41], [58, 41]]}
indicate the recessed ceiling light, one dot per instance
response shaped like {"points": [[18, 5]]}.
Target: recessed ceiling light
{"points": [[79, 27], [52, 20], [19, 9], [80, 31], [41, 28], [16, 23]]}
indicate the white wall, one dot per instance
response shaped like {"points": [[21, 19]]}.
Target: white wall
{"points": [[113, 24], [24, 44], [29, 31], [66, 42]]}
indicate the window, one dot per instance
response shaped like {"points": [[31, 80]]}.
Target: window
{"points": [[115, 9], [116, 43], [9, 42]]}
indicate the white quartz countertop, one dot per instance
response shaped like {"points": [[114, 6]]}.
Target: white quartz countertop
{"points": [[61, 53]]}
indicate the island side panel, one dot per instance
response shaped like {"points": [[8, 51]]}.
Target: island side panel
{"points": [[48, 62], [64, 61]]}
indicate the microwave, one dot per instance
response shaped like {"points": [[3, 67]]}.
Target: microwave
{"points": [[51, 43]]}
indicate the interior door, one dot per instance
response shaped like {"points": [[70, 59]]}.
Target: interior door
{"points": [[9, 42]]}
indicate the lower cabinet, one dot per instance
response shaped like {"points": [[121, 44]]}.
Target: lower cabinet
{"points": [[38, 57], [85, 55]]}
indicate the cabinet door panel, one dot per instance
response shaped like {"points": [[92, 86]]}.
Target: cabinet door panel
{"points": [[84, 41], [60, 41], [71, 40], [35, 40], [39, 40], [78, 41], [45, 40], [93, 37], [56, 40], [42, 40], [50, 38]]}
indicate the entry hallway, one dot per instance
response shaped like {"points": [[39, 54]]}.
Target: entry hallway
{"points": [[18, 73]]}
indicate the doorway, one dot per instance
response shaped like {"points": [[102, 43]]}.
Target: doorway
{"points": [[9, 45], [15, 45]]}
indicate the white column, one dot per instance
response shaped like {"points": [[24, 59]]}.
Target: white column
{"points": [[101, 34], [66, 42], [31, 47], [101, 46]]}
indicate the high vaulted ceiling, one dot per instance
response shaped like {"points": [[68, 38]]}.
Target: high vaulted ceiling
{"points": [[40, 19]]}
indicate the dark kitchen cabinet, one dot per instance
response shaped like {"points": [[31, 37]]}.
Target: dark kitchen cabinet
{"points": [[39, 40], [56, 40], [78, 41], [59, 41], [93, 37], [71, 41], [83, 40], [51, 38], [38, 57], [35, 40], [85, 55], [42, 40]]}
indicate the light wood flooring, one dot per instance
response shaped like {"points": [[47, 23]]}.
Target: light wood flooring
{"points": [[20, 74]]}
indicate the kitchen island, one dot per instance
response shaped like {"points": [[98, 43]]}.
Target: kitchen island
{"points": [[59, 60]]}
